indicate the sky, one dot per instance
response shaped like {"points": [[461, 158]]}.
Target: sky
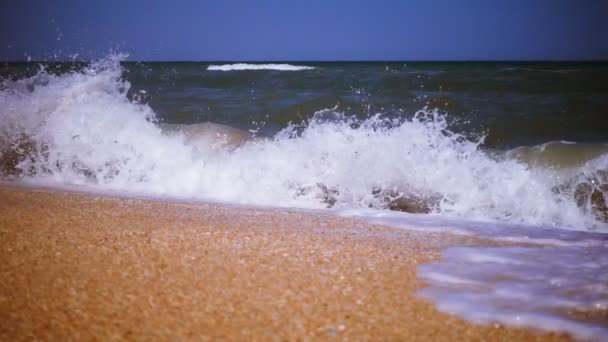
{"points": [[270, 30]]}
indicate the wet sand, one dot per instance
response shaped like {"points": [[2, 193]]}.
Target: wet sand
{"points": [[86, 267]]}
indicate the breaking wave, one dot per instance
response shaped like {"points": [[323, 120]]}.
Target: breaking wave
{"points": [[82, 129], [247, 66]]}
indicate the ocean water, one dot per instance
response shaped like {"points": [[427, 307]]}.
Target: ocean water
{"points": [[516, 152]]}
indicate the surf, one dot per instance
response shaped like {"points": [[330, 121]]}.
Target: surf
{"points": [[82, 128]]}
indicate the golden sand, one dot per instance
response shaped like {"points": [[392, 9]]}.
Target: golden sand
{"points": [[86, 267]]}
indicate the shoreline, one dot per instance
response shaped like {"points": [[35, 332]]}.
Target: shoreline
{"points": [[91, 266]]}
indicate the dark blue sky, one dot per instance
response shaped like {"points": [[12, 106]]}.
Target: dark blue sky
{"points": [[306, 30]]}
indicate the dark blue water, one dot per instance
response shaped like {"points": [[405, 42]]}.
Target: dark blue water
{"points": [[512, 103]]}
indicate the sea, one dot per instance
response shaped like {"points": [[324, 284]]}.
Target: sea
{"points": [[515, 152]]}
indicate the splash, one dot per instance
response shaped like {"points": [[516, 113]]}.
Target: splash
{"points": [[81, 128]]}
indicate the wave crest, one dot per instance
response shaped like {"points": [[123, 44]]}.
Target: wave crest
{"points": [[81, 128], [246, 66]]}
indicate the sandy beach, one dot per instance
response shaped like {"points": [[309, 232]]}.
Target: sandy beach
{"points": [[88, 267]]}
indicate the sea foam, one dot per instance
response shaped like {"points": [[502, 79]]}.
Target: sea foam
{"points": [[546, 288], [541, 278], [86, 131]]}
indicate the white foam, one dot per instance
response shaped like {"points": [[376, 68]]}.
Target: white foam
{"points": [[503, 231], [247, 66], [96, 137], [558, 271], [534, 287]]}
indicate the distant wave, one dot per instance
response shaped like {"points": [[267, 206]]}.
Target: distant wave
{"points": [[245, 66]]}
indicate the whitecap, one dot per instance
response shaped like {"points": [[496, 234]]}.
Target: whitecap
{"points": [[247, 66]]}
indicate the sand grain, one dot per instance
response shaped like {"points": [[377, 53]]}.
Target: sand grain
{"points": [[81, 267]]}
